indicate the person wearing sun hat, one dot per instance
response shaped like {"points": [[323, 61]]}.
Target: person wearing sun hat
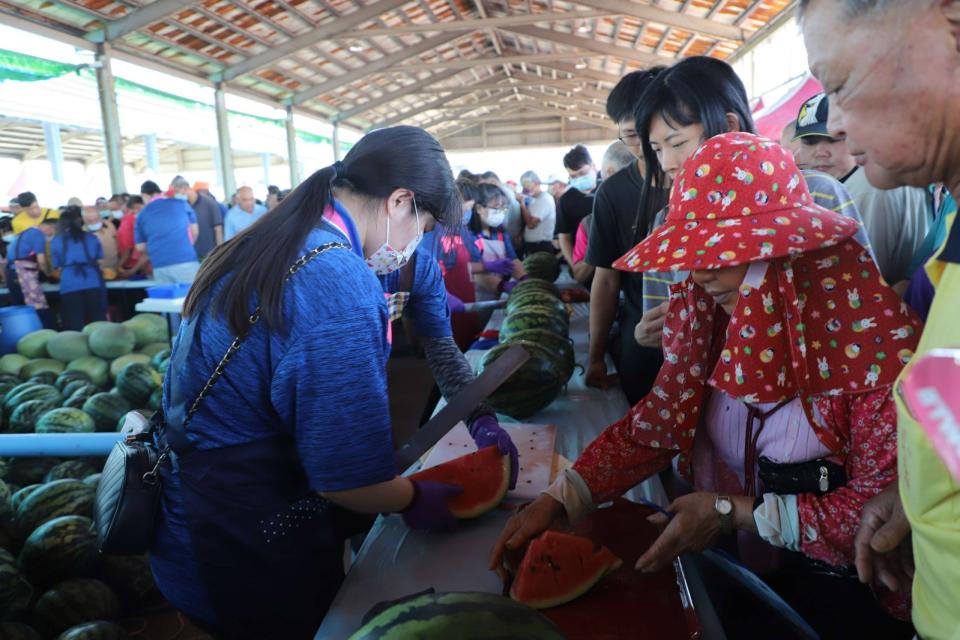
{"points": [[780, 351]]}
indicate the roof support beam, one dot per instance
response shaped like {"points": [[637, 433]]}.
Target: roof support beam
{"points": [[459, 63], [649, 13], [396, 95], [376, 66], [475, 24], [310, 38], [591, 44], [150, 13], [439, 103]]}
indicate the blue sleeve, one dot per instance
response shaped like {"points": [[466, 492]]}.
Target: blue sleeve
{"points": [[33, 242], [511, 253], [470, 242], [139, 233], [57, 251], [191, 214], [428, 299], [228, 227], [331, 384]]}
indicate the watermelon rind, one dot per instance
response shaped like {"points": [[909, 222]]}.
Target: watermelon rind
{"points": [[65, 547], [484, 476], [459, 616], [74, 602], [95, 630]]}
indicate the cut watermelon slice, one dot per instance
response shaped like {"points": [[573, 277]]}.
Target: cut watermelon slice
{"points": [[484, 476], [558, 568]]}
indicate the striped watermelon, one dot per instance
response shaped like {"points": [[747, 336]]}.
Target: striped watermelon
{"points": [[536, 299], [15, 592], [34, 392], [137, 381], [106, 409], [42, 377], [93, 480], [542, 265], [65, 420], [65, 547], [464, 616], [531, 388], [96, 368], [45, 370], [74, 602], [70, 376], [21, 494], [560, 347], [79, 397], [121, 363], [18, 631], [24, 418], [534, 318], [159, 357], [156, 399], [535, 284], [131, 578], [6, 495], [5, 388], [52, 500], [26, 471], [75, 385], [77, 469], [96, 630]]}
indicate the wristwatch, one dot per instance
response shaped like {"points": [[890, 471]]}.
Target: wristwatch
{"points": [[724, 507]]}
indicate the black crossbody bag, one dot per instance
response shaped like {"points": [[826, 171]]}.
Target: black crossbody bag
{"points": [[128, 495]]}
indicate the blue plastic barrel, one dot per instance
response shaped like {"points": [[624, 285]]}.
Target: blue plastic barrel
{"points": [[16, 322]]}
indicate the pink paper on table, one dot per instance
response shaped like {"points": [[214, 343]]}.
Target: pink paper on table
{"points": [[932, 390], [535, 445]]}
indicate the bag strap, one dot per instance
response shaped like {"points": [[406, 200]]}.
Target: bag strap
{"points": [[176, 423]]}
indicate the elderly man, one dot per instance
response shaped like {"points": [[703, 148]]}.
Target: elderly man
{"points": [[891, 71], [539, 213], [616, 157], [243, 214], [896, 220]]}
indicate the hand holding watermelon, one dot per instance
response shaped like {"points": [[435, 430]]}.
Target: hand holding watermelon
{"points": [[487, 432], [528, 523], [428, 509]]}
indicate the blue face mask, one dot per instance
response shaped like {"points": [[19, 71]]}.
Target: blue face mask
{"points": [[584, 183], [180, 196], [467, 215]]}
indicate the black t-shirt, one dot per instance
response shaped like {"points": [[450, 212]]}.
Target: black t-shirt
{"points": [[574, 205], [613, 231]]}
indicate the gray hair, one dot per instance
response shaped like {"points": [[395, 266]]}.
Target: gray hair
{"points": [[864, 8], [617, 156], [529, 176], [179, 183]]}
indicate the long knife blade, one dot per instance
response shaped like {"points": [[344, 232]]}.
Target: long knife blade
{"points": [[460, 406]]}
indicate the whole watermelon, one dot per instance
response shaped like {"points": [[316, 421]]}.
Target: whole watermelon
{"points": [[536, 299], [93, 480], [68, 377], [27, 471], [20, 495], [106, 409], [96, 630], [67, 346], [148, 328], [34, 345], [75, 385], [558, 346], [11, 363], [15, 592], [463, 616], [154, 348], [65, 420], [25, 417], [534, 318], [131, 578], [93, 326], [121, 363], [74, 602], [155, 399], [52, 500], [35, 391], [160, 357], [77, 469], [18, 631], [137, 381], [65, 547], [6, 496], [35, 369], [112, 341], [535, 284], [531, 388], [97, 369], [542, 265]]}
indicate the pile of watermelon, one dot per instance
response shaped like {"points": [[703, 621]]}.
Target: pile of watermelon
{"points": [[537, 319], [80, 382]]}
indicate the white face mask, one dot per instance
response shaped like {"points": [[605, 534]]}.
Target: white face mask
{"points": [[584, 183], [117, 215], [94, 226], [495, 217], [8, 238], [386, 259]]}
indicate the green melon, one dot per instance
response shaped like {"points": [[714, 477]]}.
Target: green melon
{"points": [[18, 631], [534, 318], [121, 363], [535, 284], [78, 469], [21, 494], [93, 326], [65, 547], [40, 366], [25, 417], [560, 347], [536, 299], [464, 616], [34, 345], [67, 346], [96, 630], [15, 592], [73, 602], [106, 409], [97, 369], [65, 420], [27, 471], [12, 363], [52, 500], [154, 348], [75, 385], [148, 328], [68, 377], [542, 265], [131, 578], [112, 341], [531, 388], [137, 381]]}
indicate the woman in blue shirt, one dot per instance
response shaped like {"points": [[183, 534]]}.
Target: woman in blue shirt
{"points": [[77, 253], [295, 435]]}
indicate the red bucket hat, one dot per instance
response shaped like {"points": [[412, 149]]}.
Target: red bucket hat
{"points": [[739, 198]]}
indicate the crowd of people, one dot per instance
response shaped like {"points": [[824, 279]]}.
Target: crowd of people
{"points": [[158, 235]]}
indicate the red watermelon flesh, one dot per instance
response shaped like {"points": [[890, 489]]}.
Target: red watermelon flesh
{"points": [[484, 476], [559, 567]]}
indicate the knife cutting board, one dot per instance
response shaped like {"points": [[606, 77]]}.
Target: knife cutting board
{"points": [[535, 446]]}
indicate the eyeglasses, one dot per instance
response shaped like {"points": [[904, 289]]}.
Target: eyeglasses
{"points": [[630, 138]]}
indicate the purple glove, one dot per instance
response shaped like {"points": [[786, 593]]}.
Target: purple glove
{"points": [[487, 432], [502, 266], [428, 509], [455, 304]]}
